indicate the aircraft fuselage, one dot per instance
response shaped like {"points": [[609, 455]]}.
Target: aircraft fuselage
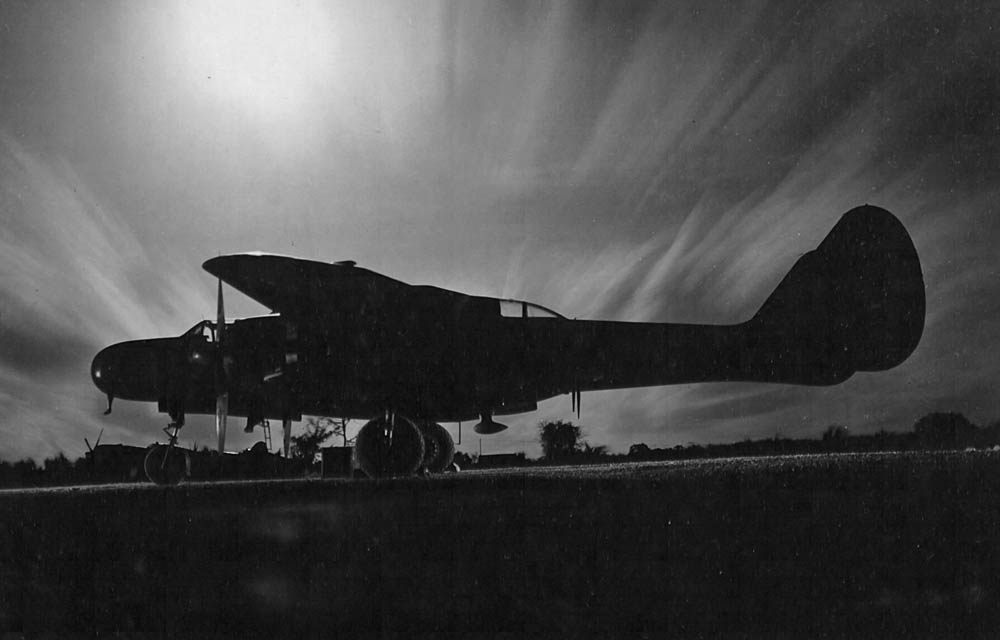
{"points": [[348, 342]]}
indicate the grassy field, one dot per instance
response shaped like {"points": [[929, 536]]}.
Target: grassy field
{"points": [[848, 545]]}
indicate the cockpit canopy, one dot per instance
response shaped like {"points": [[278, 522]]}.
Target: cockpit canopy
{"points": [[204, 330]]}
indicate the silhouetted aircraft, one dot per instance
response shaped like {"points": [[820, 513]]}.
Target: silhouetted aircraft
{"points": [[345, 341]]}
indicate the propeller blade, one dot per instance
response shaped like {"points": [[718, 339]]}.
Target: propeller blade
{"points": [[220, 318], [221, 413], [221, 377]]}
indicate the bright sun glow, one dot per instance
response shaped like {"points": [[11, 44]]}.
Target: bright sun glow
{"points": [[267, 55]]}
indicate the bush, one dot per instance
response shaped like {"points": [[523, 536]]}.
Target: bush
{"points": [[559, 439], [945, 430]]}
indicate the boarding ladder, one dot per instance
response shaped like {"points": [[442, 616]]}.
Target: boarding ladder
{"points": [[266, 426]]}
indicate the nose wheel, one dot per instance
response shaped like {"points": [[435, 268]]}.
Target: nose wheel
{"points": [[165, 463]]}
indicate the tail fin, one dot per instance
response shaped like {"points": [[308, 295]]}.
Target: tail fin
{"points": [[855, 303]]}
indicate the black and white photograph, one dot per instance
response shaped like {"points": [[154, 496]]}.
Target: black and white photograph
{"points": [[386, 318]]}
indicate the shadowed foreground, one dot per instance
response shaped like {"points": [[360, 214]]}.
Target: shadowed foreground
{"points": [[853, 544]]}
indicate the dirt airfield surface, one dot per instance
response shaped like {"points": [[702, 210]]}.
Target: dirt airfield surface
{"points": [[864, 545]]}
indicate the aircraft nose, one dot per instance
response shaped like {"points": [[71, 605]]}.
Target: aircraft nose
{"points": [[128, 370], [102, 369]]}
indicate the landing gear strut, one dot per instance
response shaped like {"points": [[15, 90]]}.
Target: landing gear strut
{"points": [[166, 464]]}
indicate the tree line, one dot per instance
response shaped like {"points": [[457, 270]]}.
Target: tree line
{"points": [[564, 443]]}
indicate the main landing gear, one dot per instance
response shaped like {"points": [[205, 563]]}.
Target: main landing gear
{"points": [[393, 445], [439, 448], [390, 445]]}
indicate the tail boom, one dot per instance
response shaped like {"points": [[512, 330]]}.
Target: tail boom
{"points": [[855, 303]]}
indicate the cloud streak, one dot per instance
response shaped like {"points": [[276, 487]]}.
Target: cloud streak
{"points": [[73, 278]]}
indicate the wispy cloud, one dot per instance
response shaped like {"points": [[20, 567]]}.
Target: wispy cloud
{"points": [[73, 281]]}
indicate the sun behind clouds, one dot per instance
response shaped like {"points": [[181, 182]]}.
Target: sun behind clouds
{"points": [[270, 57]]}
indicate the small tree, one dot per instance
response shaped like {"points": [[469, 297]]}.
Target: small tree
{"points": [[835, 437], [338, 429], [25, 472], [835, 433], [942, 430], [341, 430], [59, 464], [559, 439], [593, 453], [639, 450], [306, 446]]}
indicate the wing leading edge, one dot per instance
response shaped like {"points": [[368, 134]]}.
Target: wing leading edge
{"points": [[300, 288]]}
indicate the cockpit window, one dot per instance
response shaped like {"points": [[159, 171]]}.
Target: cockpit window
{"points": [[538, 311], [204, 329], [511, 309], [522, 309]]}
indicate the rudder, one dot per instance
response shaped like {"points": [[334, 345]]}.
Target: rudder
{"points": [[855, 303]]}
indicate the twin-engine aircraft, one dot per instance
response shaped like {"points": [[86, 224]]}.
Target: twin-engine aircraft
{"points": [[348, 342]]}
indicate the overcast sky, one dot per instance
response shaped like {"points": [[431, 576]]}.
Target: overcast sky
{"points": [[640, 161]]}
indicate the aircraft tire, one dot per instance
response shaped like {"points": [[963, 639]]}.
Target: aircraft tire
{"points": [[383, 452], [439, 448], [160, 471]]}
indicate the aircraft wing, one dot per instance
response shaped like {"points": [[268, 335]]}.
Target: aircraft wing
{"points": [[306, 289]]}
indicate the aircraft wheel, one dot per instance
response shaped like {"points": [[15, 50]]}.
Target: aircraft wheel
{"points": [[164, 464], [439, 448], [383, 449]]}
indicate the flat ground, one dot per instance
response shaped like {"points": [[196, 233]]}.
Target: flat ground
{"points": [[847, 545]]}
